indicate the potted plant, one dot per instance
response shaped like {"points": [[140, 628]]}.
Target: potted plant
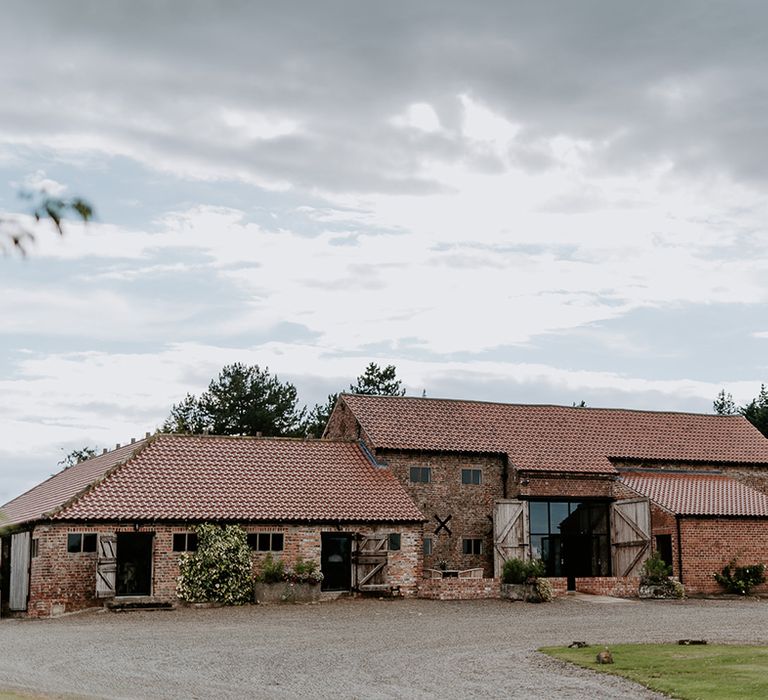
{"points": [[523, 580], [655, 581], [278, 584]]}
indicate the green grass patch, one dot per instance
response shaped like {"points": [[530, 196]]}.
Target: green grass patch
{"points": [[707, 672]]}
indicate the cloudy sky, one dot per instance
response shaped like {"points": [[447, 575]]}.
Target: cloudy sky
{"points": [[512, 201]]}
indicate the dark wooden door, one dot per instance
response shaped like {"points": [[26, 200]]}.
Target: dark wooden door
{"points": [[336, 561], [134, 563]]}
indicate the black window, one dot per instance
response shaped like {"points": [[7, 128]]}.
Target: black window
{"points": [[35, 548], [78, 542], [184, 542], [472, 476], [664, 548], [421, 475], [472, 545], [266, 541], [394, 541], [427, 547]]}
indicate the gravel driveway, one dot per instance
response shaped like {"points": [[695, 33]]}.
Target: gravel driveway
{"points": [[352, 648]]}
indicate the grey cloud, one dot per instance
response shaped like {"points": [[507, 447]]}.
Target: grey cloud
{"points": [[680, 81]]}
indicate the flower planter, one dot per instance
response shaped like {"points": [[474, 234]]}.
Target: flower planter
{"points": [[286, 592], [666, 589], [519, 591]]}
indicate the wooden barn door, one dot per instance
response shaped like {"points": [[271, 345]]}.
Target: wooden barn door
{"points": [[510, 533], [370, 562], [106, 565], [630, 535], [18, 591]]}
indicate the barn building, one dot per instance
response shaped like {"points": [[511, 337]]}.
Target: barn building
{"points": [[401, 494], [590, 491], [115, 525]]}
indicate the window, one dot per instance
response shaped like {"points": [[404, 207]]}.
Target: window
{"points": [[184, 542], [394, 541], [571, 537], [35, 548], [78, 542], [472, 545], [421, 475], [427, 546], [265, 541], [472, 476]]}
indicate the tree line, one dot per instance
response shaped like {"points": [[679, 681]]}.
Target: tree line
{"points": [[246, 400], [755, 411]]}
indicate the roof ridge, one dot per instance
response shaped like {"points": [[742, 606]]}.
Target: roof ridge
{"points": [[265, 438], [440, 399]]}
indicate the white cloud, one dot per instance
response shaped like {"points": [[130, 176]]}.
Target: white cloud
{"points": [[39, 182], [421, 116]]}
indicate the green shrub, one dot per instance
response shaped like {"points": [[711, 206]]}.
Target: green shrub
{"points": [[220, 570], [514, 571], [655, 570], [304, 572], [522, 571], [536, 569], [740, 579], [272, 570]]}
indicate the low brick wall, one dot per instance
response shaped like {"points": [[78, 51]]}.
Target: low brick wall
{"points": [[559, 585], [459, 588], [617, 586]]}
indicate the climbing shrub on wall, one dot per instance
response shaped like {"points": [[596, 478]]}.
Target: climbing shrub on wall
{"points": [[220, 570], [740, 579]]}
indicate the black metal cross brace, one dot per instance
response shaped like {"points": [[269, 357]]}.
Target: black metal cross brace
{"points": [[442, 525]]}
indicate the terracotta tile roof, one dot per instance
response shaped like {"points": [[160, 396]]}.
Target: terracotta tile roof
{"points": [[558, 438], [232, 478], [699, 494], [63, 486]]}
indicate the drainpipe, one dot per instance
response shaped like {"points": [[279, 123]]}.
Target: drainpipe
{"points": [[504, 475], [679, 549]]}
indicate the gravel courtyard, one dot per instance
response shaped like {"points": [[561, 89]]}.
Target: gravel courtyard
{"points": [[352, 648]]}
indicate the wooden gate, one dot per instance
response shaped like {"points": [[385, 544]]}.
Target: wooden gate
{"points": [[510, 533], [630, 535], [18, 589], [106, 565], [370, 562]]}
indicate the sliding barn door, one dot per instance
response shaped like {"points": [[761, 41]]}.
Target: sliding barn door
{"points": [[630, 536], [510, 533], [106, 565], [18, 590]]}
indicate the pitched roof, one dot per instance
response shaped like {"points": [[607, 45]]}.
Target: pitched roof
{"points": [[699, 494], [188, 477], [63, 486], [556, 438]]}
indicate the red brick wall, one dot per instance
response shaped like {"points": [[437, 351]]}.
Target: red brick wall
{"points": [[469, 505], [710, 543], [460, 588], [63, 582], [616, 586], [561, 486], [559, 585], [342, 425]]}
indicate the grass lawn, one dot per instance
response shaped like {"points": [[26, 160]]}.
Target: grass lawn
{"points": [[708, 672]]}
